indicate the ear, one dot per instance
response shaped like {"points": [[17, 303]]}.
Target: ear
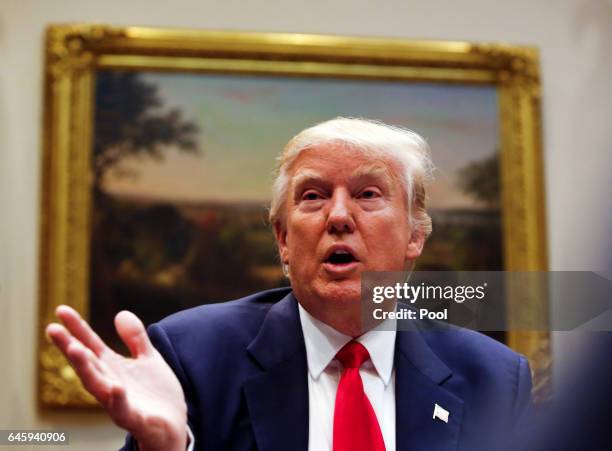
{"points": [[280, 233], [415, 245]]}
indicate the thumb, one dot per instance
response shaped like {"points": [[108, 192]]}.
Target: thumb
{"points": [[133, 333]]}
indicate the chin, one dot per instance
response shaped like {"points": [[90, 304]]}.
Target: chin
{"points": [[341, 291]]}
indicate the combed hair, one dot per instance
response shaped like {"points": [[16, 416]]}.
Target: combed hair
{"points": [[377, 140]]}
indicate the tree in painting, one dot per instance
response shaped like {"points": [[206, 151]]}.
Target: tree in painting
{"points": [[155, 256], [481, 180], [132, 123], [469, 239]]}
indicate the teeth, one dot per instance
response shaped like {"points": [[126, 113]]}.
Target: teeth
{"points": [[341, 252]]}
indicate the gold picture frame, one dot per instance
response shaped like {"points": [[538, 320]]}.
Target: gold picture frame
{"points": [[75, 52]]}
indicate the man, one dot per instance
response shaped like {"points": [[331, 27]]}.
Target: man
{"points": [[294, 369]]}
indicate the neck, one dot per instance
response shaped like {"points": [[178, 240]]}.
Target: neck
{"points": [[348, 318]]}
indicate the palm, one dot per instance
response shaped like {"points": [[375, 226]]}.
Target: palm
{"points": [[150, 385], [140, 393]]}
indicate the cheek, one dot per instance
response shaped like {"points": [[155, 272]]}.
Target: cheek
{"points": [[387, 238], [303, 233]]}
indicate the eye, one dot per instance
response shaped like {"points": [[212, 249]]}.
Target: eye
{"points": [[311, 195], [369, 193]]}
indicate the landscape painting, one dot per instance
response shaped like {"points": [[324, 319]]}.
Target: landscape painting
{"points": [[183, 164]]}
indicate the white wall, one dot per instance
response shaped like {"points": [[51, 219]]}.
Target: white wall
{"points": [[577, 72]]}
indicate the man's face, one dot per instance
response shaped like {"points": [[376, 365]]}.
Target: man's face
{"points": [[345, 214]]}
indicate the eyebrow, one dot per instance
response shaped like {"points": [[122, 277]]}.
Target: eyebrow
{"points": [[373, 170], [306, 175], [367, 171]]}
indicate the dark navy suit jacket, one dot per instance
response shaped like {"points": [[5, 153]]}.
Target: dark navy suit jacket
{"points": [[242, 365]]}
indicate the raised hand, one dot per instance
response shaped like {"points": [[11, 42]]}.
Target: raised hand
{"points": [[141, 393]]}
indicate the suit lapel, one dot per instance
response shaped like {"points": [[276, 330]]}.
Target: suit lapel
{"points": [[420, 376], [277, 398]]}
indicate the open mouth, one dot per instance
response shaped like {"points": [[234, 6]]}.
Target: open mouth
{"points": [[341, 257]]}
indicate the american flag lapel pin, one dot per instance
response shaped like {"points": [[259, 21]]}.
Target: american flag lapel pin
{"points": [[440, 413]]}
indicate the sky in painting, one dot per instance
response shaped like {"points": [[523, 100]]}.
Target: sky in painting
{"points": [[245, 121]]}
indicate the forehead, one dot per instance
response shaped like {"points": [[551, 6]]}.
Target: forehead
{"points": [[332, 161]]}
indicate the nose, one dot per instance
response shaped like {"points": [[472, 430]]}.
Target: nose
{"points": [[340, 219]]}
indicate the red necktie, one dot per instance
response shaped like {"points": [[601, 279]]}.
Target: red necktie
{"points": [[355, 425]]}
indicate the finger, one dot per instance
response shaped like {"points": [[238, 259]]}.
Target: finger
{"points": [[79, 328], [83, 361], [133, 333], [59, 336]]}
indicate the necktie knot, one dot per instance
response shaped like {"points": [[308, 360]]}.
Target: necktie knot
{"points": [[353, 354]]}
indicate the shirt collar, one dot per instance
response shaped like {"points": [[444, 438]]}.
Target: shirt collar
{"points": [[323, 343]]}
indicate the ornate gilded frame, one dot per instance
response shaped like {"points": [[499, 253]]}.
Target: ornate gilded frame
{"points": [[75, 52]]}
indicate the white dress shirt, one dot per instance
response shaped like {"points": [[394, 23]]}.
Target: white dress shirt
{"points": [[322, 344]]}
